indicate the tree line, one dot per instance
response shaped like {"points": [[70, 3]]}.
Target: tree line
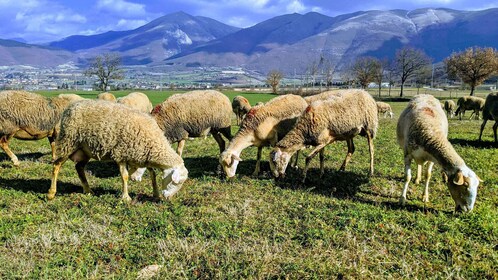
{"points": [[472, 66]]}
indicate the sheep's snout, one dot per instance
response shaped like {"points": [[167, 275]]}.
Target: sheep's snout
{"points": [[173, 179], [229, 162]]}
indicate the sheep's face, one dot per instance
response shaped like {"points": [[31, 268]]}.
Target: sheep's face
{"points": [[173, 179], [278, 162], [229, 162], [463, 188]]}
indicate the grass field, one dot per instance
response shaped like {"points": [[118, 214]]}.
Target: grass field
{"points": [[345, 225]]}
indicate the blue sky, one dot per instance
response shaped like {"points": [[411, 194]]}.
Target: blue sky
{"points": [[48, 20]]}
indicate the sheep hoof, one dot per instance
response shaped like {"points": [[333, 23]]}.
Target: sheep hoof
{"points": [[126, 198], [402, 201], [17, 163], [425, 199], [50, 196]]}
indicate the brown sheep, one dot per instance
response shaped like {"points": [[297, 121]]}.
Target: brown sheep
{"points": [[469, 103], [240, 106], [490, 112]]}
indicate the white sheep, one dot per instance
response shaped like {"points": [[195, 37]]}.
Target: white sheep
{"points": [[341, 117], [262, 126], [469, 103], [422, 133], [385, 109], [107, 96], [110, 131], [30, 116], [240, 106], [136, 100], [490, 112], [449, 107]]}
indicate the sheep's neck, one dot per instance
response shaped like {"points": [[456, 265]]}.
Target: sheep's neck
{"points": [[292, 142], [240, 142], [446, 156]]}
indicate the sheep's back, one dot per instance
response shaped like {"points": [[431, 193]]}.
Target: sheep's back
{"points": [[490, 110], [193, 112], [111, 130], [28, 110]]}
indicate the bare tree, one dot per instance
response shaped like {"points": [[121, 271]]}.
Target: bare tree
{"points": [[473, 65], [365, 69], [408, 61], [422, 77], [105, 67], [313, 70], [329, 73], [273, 79]]}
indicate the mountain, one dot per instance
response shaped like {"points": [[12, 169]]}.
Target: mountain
{"points": [[292, 42], [153, 42], [17, 53]]}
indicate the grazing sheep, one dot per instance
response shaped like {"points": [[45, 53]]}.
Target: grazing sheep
{"points": [[385, 109], [107, 96], [262, 126], [341, 117], [449, 107], [29, 116], [422, 133], [136, 100], [240, 106], [110, 131], [469, 103], [195, 114], [490, 112]]}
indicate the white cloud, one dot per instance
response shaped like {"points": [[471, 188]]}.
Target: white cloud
{"points": [[126, 24], [295, 6], [121, 7]]}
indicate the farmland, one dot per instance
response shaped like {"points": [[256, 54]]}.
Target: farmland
{"points": [[344, 225]]}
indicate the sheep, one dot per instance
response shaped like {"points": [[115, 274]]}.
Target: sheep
{"points": [[240, 106], [107, 96], [490, 112], [385, 109], [449, 108], [29, 116], [469, 103], [136, 100], [422, 133], [195, 114], [340, 117], [259, 103], [262, 126], [110, 131]]}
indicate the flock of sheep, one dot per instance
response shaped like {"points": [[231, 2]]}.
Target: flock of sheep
{"points": [[138, 137]]}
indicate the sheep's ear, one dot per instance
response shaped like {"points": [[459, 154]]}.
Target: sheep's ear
{"points": [[458, 179], [175, 177], [479, 179], [235, 157]]}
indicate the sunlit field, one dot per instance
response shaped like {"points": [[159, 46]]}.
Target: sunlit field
{"points": [[345, 225]]}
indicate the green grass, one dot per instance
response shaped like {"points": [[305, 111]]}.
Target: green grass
{"points": [[345, 225]]}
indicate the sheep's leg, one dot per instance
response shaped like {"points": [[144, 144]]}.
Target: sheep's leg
{"points": [[227, 132], [155, 190], [495, 126], [294, 160], [80, 169], [427, 179], [408, 178], [220, 141], [258, 162], [55, 172], [124, 177], [471, 115], [179, 148], [348, 155], [322, 162], [482, 128], [310, 157], [51, 140], [419, 174], [4, 144], [371, 150]]}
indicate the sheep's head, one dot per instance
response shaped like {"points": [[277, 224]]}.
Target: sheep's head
{"points": [[278, 162], [463, 188], [229, 162], [173, 179]]}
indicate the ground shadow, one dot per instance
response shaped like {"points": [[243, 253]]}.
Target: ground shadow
{"points": [[103, 169], [340, 184], [474, 143], [25, 156], [395, 205], [200, 166], [42, 186]]}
